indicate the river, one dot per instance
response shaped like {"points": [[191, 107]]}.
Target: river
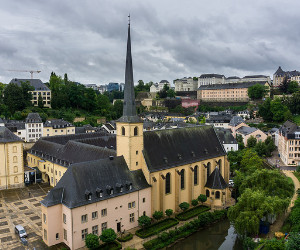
{"points": [[219, 236]]}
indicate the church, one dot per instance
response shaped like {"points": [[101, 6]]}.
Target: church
{"points": [[137, 174]]}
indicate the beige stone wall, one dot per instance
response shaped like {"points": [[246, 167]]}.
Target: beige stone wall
{"points": [[49, 131], [11, 165]]}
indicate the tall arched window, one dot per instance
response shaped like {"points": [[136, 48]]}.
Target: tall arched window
{"points": [[123, 131], [208, 170], [135, 131], [196, 175], [168, 183], [182, 172], [207, 193], [217, 195]]}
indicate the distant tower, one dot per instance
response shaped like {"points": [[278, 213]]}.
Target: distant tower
{"points": [[130, 127]]}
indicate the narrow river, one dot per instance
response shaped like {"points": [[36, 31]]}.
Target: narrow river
{"points": [[219, 236]]}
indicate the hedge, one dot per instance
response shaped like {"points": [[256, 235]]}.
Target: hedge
{"points": [[126, 237], [110, 246], [156, 228], [190, 213], [204, 219]]}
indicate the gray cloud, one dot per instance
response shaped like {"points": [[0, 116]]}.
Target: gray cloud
{"points": [[170, 39]]}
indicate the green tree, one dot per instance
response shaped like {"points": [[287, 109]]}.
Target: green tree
{"points": [[293, 242], [257, 91], [279, 110], [184, 206], [13, 97], [251, 142], [274, 244], [240, 141], [169, 212], [108, 235], [194, 202], [293, 87], [118, 108], [40, 101], [171, 93], [158, 215], [284, 85], [202, 198], [26, 89], [92, 241], [144, 221], [66, 80], [264, 110], [261, 148], [293, 103], [250, 161]]}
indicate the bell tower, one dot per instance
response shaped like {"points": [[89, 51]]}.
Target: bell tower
{"points": [[130, 127]]}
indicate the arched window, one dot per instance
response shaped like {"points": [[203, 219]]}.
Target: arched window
{"points": [[135, 132], [182, 172], [16, 180], [196, 175], [217, 195], [207, 193], [208, 170], [123, 131], [168, 183]]}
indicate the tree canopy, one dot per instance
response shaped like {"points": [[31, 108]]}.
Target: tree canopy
{"points": [[257, 91]]}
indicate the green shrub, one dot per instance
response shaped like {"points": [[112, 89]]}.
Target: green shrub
{"points": [[185, 215], [125, 238], [91, 241], [108, 235], [114, 245], [202, 198], [184, 206], [158, 215], [194, 202], [169, 212], [144, 221]]}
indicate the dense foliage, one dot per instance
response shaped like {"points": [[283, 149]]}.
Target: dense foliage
{"points": [[108, 235], [92, 241], [257, 91], [190, 213], [144, 221]]}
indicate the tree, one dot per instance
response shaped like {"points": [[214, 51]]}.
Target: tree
{"points": [[251, 142], [91, 241], [264, 110], [293, 103], [118, 108], [40, 101], [184, 206], [257, 91], [171, 93], [293, 242], [274, 244], [261, 148], [279, 110], [158, 215], [169, 212], [250, 161], [13, 97], [202, 198], [240, 141], [144, 221], [194, 202], [284, 85], [66, 80], [108, 235], [293, 87]]}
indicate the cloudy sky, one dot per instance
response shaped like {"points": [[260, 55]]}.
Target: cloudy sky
{"points": [[170, 38]]}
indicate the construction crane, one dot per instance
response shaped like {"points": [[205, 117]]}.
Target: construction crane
{"points": [[30, 71]]}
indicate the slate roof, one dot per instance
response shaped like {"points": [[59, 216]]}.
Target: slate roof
{"points": [[7, 136], [233, 77], [211, 75], [246, 130], [225, 136], [215, 180], [236, 120], [164, 149], [36, 83], [164, 81], [255, 76], [15, 126], [288, 129], [33, 118], [219, 118], [109, 126], [58, 123], [230, 85], [88, 177]]}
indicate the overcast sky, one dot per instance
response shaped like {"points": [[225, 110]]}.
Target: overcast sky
{"points": [[170, 38]]}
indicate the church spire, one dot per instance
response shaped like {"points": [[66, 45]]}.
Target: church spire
{"points": [[129, 110]]}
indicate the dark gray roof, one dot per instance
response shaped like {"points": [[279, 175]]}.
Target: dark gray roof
{"points": [[236, 120], [7, 136], [255, 76], [288, 129], [279, 71], [79, 130], [233, 77], [230, 85], [109, 126], [58, 123], [215, 180], [92, 177], [14, 126], [225, 136], [225, 118], [164, 149], [33, 118], [246, 130], [36, 83], [211, 75], [164, 81]]}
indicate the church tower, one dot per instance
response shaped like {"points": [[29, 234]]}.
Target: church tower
{"points": [[130, 127]]}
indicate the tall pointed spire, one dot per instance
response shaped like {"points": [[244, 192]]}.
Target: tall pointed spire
{"points": [[129, 110]]}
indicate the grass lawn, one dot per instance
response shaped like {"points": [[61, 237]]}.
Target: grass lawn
{"points": [[297, 119], [193, 212], [156, 227]]}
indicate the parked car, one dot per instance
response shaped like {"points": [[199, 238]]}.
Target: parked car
{"points": [[24, 241], [20, 231]]}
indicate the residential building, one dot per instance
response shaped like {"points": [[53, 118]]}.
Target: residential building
{"points": [[235, 123], [280, 75], [92, 86], [221, 120], [40, 89], [11, 160], [256, 78], [113, 86], [156, 87], [33, 127], [17, 127], [296, 77], [246, 132], [210, 79], [58, 127], [109, 127], [231, 92], [186, 84], [102, 89], [289, 143], [227, 139]]}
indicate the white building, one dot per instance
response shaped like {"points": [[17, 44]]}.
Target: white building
{"points": [[156, 87], [33, 127], [227, 139], [186, 84], [210, 79]]}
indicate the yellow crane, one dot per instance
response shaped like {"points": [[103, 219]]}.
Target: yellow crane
{"points": [[30, 71]]}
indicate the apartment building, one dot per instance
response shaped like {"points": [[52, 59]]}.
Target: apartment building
{"points": [[186, 84], [156, 87], [289, 143], [58, 127], [33, 127], [40, 89], [280, 75], [210, 79]]}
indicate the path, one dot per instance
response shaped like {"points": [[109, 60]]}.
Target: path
{"points": [[279, 222]]}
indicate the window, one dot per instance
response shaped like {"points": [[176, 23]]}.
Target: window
{"points": [[182, 172], [135, 131], [131, 205], [103, 226], [136, 163], [95, 230], [44, 218], [137, 152], [14, 149], [94, 215], [217, 195], [123, 130], [168, 183], [45, 234], [51, 179], [55, 172], [84, 218], [64, 218], [16, 180], [59, 173], [84, 233], [65, 235], [15, 169], [144, 200], [103, 212], [15, 159], [131, 217], [57, 236], [207, 193], [196, 175]]}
